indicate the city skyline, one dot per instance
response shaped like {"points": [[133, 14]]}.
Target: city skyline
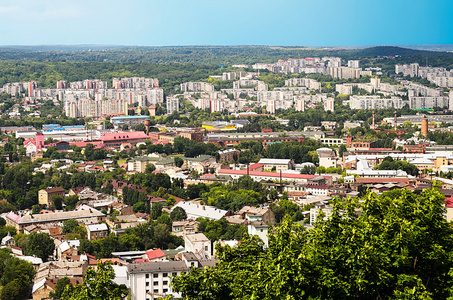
{"points": [[201, 22]]}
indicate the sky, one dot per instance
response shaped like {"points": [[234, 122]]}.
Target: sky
{"points": [[226, 22]]}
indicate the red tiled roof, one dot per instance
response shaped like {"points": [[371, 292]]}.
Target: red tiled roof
{"points": [[268, 174], [382, 180], [255, 166], [153, 254], [449, 202], [206, 176], [124, 136], [156, 199], [84, 144], [177, 199]]}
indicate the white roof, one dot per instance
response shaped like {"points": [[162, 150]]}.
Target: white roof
{"points": [[274, 161], [231, 243], [64, 246], [31, 259], [7, 238], [38, 285], [362, 165], [421, 161], [204, 211], [75, 243], [97, 227], [17, 252]]}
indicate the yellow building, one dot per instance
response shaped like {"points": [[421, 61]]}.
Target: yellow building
{"points": [[219, 126], [45, 195]]}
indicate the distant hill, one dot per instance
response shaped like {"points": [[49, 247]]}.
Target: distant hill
{"points": [[394, 50], [210, 55]]}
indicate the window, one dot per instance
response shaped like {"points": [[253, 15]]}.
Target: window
{"points": [[147, 275], [147, 283], [205, 248], [165, 282], [155, 275], [156, 291], [165, 275], [156, 283], [174, 274], [165, 290]]}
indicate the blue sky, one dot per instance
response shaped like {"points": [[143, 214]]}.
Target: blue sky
{"points": [[226, 22]]}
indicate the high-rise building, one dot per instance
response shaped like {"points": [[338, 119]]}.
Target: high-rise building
{"points": [[329, 104], [62, 84], [353, 63], [172, 104], [32, 85]]}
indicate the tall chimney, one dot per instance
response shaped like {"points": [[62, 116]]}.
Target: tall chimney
{"points": [[394, 121], [374, 126]]}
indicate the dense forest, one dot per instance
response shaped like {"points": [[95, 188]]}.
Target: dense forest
{"points": [[203, 54]]}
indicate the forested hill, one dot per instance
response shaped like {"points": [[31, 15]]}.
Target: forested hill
{"points": [[206, 55]]}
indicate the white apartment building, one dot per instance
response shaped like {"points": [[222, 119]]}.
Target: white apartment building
{"points": [[353, 63], [172, 104], [373, 102], [197, 87], [135, 83], [428, 102], [152, 280], [94, 109], [314, 212], [307, 82], [329, 104]]}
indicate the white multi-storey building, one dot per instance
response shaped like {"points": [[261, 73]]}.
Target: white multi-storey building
{"points": [[197, 87], [428, 102], [372, 102], [172, 104]]}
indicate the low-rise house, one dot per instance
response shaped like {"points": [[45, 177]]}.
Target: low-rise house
{"points": [[327, 157], [322, 190], [278, 164], [43, 288], [120, 228], [198, 244], [119, 185], [154, 255], [181, 228], [45, 195], [195, 211], [225, 156], [66, 249], [35, 261], [84, 214], [259, 229], [8, 240], [263, 214], [97, 231]]}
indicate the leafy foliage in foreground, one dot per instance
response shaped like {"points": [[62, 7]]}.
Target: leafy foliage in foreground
{"points": [[395, 248], [97, 285]]}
